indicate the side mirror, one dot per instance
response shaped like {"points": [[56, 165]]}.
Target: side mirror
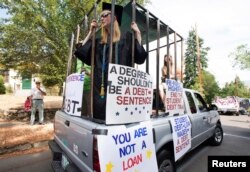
{"points": [[213, 107]]}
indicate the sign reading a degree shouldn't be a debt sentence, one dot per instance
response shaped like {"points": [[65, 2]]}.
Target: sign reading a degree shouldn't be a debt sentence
{"points": [[129, 95]]}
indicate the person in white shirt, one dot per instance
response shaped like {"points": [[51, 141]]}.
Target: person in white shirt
{"points": [[37, 94]]}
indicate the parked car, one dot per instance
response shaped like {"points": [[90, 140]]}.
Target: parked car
{"points": [[244, 106]]}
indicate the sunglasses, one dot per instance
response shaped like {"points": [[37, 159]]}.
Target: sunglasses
{"points": [[105, 15]]}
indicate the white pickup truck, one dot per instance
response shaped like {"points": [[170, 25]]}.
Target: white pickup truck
{"points": [[75, 145], [137, 135], [229, 104]]}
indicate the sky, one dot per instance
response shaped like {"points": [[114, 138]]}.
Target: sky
{"points": [[222, 24]]}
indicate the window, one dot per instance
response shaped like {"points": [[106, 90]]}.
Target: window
{"points": [[191, 102], [201, 103]]}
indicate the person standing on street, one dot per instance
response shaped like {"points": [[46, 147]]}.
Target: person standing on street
{"points": [[37, 94]]}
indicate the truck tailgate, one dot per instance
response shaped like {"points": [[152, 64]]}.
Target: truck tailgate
{"points": [[74, 136]]}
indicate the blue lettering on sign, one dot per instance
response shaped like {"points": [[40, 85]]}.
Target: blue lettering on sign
{"points": [[181, 123], [182, 132], [75, 78], [82, 77], [173, 85], [141, 132], [126, 150], [122, 138], [143, 144]]}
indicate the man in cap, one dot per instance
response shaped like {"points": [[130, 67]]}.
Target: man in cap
{"points": [[37, 94], [122, 53]]}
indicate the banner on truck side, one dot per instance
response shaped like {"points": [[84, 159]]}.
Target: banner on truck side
{"points": [[229, 103], [73, 94], [129, 95], [129, 149], [181, 127], [174, 103]]}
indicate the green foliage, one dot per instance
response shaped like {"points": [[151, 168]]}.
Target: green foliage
{"points": [[191, 68], [35, 38], [9, 89], [241, 57], [2, 87], [209, 85], [235, 88]]}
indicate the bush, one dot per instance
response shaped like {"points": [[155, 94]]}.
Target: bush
{"points": [[9, 89], [2, 87]]}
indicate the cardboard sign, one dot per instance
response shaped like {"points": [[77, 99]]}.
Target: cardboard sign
{"points": [[129, 149], [129, 95], [174, 103], [73, 94], [181, 127]]}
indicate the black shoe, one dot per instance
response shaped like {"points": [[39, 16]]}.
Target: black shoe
{"points": [[41, 123]]}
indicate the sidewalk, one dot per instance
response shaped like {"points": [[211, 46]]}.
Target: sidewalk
{"points": [[12, 107], [10, 101], [17, 136]]}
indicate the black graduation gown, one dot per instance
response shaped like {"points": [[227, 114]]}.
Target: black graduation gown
{"points": [[101, 64]]}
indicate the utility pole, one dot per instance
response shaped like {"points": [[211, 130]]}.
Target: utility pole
{"points": [[198, 59], [236, 86]]}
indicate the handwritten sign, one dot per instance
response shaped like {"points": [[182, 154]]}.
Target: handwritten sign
{"points": [[227, 103], [174, 103], [129, 95], [129, 149], [73, 94], [181, 128]]}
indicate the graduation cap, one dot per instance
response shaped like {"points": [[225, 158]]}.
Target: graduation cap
{"points": [[118, 11]]}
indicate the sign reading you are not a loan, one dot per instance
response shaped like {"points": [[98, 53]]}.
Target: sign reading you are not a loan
{"points": [[130, 149]]}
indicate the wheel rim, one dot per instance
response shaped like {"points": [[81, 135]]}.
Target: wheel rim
{"points": [[166, 166], [218, 135]]}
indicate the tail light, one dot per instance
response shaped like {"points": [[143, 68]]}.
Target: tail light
{"points": [[96, 162]]}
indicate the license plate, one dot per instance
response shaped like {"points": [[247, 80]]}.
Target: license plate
{"points": [[64, 162]]}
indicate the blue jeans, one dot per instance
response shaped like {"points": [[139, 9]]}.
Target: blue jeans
{"points": [[37, 104]]}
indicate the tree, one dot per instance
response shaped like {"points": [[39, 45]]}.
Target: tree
{"points": [[191, 68], [235, 88], [35, 38], [241, 57], [2, 87], [210, 86]]}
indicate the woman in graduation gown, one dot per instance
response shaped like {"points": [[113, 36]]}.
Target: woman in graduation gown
{"points": [[122, 54]]}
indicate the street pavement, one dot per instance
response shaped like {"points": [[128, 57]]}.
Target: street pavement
{"points": [[242, 121]]}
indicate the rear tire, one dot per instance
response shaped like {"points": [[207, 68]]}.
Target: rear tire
{"points": [[166, 161], [217, 137]]}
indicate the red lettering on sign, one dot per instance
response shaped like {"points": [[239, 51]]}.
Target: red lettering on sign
{"points": [[131, 162]]}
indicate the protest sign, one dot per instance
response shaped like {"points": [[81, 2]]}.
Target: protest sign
{"points": [[228, 103], [129, 95], [174, 103], [181, 127], [73, 94], [129, 149]]}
